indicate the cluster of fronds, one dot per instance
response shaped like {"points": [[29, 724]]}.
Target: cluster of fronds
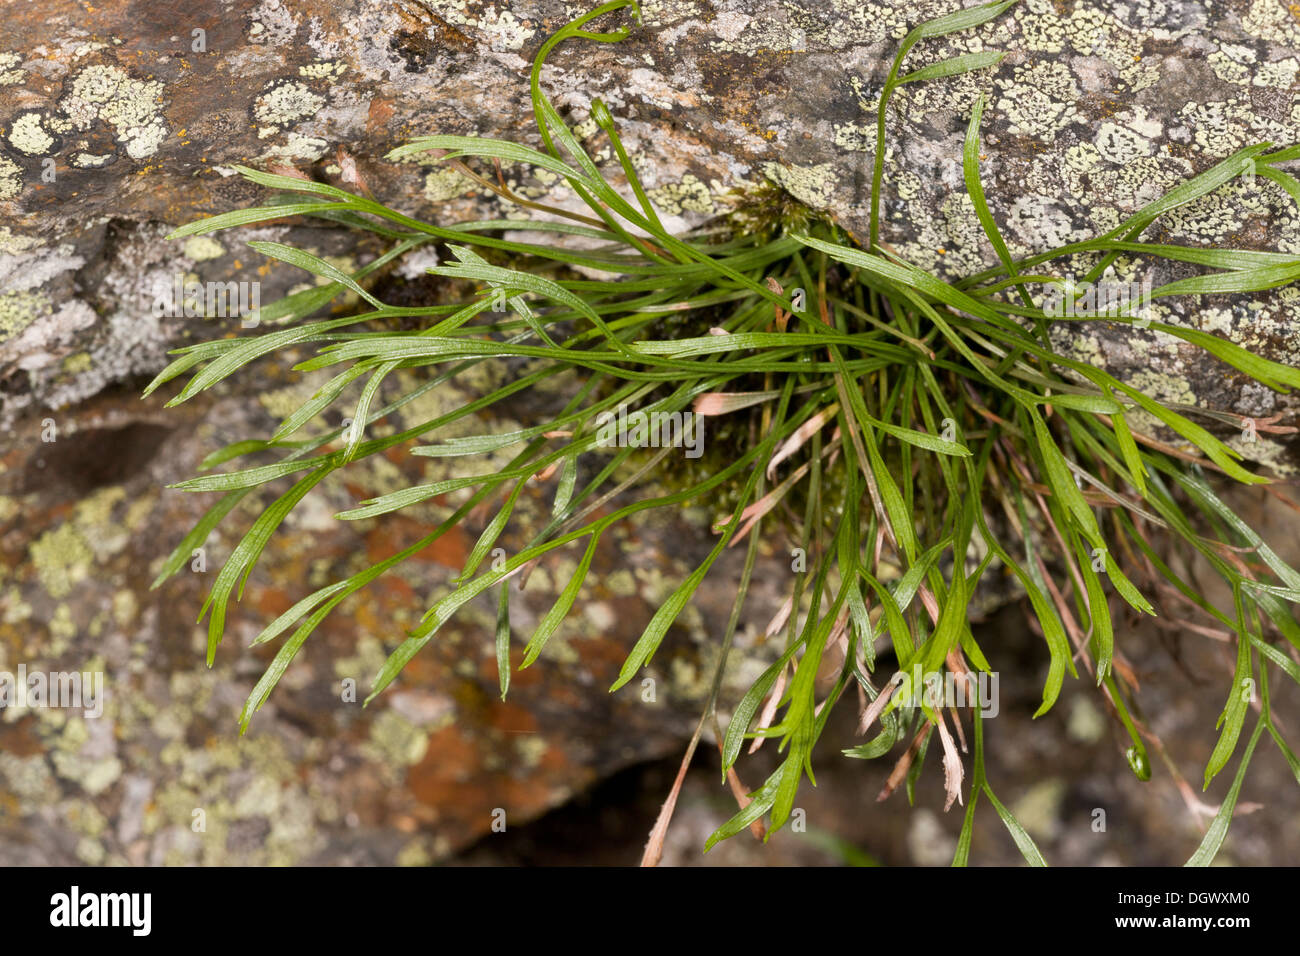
{"points": [[928, 431]]}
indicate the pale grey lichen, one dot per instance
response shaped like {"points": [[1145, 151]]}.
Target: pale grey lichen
{"points": [[1121, 144]]}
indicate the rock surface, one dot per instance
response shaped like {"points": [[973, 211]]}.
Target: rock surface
{"points": [[121, 117], [85, 521]]}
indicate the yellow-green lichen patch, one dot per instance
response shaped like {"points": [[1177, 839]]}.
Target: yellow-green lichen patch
{"points": [[93, 774], [1214, 217], [202, 248], [29, 779], [811, 185], [688, 195], [125, 607], [11, 244], [323, 70], [621, 583], [19, 310], [27, 134], [503, 29], [1121, 143], [1039, 99], [16, 610], [397, 742], [531, 748], [283, 103], [657, 13], [1220, 127], [415, 853], [1279, 74], [11, 179], [1233, 63], [1273, 20], [93, 517], [855, 137], [442, 185], [1041, 29], [10, 72], [62, 628], [131, 107], [84, 160], [299, 147], [369, 659], [76, 363]]}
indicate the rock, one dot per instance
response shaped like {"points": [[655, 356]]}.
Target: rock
{"points": [[415, 776], [111, 125]]}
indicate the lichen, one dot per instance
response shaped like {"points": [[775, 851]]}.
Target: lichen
{"points": [[283, 103], [811, 185], [10, 72], [504, 30], [442, 185], [131, 107], [27, 135], [397, 741], [1039, 99], [20, 309], [61, 558], [323, 70], [203, 248], [687, 195]]}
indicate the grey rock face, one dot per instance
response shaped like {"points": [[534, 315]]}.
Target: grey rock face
{"points": [[112, 125]]}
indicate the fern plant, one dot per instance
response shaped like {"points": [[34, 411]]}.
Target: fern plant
{"points": [[925, 432]]}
